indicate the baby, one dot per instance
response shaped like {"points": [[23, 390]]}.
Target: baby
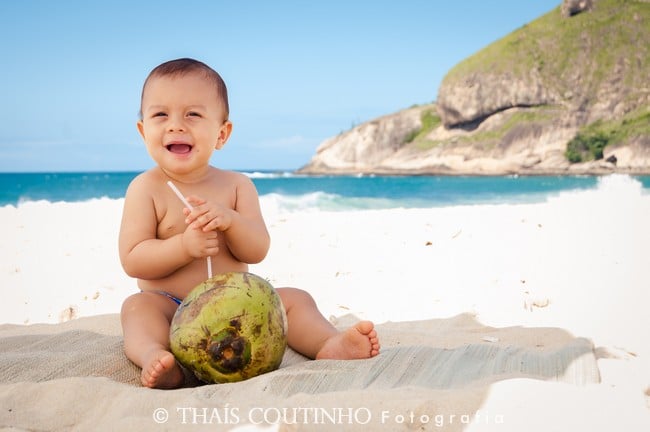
{"points": [[183, 120]]}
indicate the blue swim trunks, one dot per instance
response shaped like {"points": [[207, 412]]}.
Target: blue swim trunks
{"points": [[169, 296]]}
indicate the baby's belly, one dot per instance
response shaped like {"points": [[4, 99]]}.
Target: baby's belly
{"points": [[181, 282]]}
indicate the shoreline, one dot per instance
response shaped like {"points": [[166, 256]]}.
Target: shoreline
{"points": [[585, 170]]}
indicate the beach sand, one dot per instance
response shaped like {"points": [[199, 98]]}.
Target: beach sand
{"points": [[492, 317]]}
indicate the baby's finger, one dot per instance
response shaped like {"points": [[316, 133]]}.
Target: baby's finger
{"points": [[198, 214], [214, 224], [195, 200], [195, 224], [203, 218], [212, 251], [212, 246], [210, 226]]}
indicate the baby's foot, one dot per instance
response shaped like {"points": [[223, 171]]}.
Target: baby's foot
{"points": [[357, 342], [160, 370]]}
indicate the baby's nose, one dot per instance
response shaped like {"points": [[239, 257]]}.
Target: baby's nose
{"points": [[175, 124]]}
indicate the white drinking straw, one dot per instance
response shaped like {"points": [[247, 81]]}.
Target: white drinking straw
{"points": [[189, 206]]}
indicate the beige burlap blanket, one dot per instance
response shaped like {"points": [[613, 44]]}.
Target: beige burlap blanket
{"points": [[75, 376]]}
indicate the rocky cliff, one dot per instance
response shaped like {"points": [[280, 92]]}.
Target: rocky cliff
{"points": [[566, 93]]}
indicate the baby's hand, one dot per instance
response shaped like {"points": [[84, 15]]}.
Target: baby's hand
{"points": [[200, 244], [207, 216]]}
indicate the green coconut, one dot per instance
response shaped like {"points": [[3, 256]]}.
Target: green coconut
{"points": [[230, 328]]}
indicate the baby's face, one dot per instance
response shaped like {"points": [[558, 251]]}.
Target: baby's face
{"points": [[183, 122]]}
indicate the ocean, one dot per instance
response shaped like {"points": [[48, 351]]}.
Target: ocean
{"points": [[287, 191]]}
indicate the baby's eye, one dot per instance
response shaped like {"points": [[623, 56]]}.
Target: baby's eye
{"points": [[159, 114], [193, 114]]}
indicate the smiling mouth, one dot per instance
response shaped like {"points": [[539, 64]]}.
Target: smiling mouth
{"points": [[179, 148]]}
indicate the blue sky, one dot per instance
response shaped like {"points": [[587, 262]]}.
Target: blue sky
{"points": [[298, 72]]}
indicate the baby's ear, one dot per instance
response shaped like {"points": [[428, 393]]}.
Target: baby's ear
{"points": [[224, 133], [140, 126]]}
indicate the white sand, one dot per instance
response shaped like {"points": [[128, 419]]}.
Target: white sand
{"points": [[579, 262]]}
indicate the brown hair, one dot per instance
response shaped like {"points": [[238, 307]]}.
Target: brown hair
{"points": [[184, 66]]}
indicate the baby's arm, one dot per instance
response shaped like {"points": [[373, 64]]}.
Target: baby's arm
{"points": [[143, 255], [243, 226]]}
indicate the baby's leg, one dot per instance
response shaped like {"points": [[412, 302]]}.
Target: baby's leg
{"points": [[145, 324], [314, 336]]}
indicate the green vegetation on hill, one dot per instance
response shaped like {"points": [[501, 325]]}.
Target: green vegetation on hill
{"points": [[590, 141], [487, 138], [584, 148], [585, 48], [430, 120]]}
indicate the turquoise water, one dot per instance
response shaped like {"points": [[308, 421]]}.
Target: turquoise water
{"points": [[319, 192]]}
